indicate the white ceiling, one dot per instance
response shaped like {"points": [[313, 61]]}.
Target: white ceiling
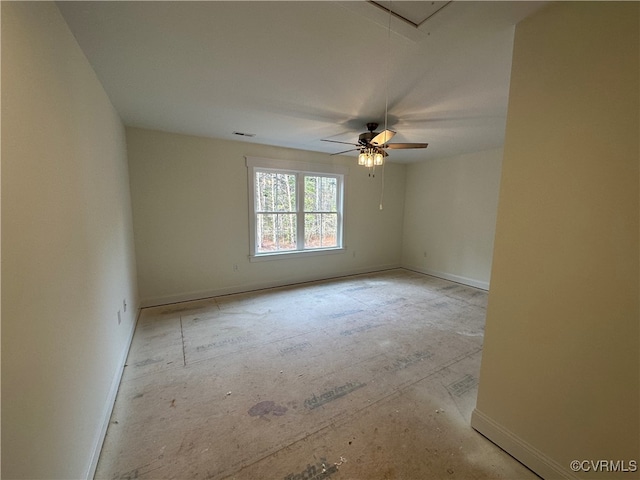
{"points": [[296, 72]]}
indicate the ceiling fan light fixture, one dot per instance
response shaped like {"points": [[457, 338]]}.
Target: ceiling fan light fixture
{"points": [[370, 157], [369, 163]]}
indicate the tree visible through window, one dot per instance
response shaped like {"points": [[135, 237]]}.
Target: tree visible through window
{"points": [[320, 212], [295, 211], [276, 222]]}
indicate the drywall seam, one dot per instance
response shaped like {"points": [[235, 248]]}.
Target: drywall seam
{"points": [[190, 296], [525, 453], [450, 276], [111, 401]]}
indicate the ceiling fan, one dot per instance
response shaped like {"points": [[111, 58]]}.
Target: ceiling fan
{"points": [[372, 145]]}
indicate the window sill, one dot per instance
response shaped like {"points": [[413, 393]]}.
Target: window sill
{"points": [[262, 257]]}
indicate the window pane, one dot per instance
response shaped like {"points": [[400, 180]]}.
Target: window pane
{"points": [[320, 230], [329, 230], [311, 230], [275, 232], [275, 192], [329, 196], [320, 194]]}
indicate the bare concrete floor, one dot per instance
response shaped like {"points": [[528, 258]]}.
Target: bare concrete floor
{"points": [[366, 377]]}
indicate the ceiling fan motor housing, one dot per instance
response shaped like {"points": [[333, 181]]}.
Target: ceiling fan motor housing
{"points": [[366, 137]]}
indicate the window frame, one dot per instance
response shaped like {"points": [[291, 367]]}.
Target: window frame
{"points": [[300, 170]]}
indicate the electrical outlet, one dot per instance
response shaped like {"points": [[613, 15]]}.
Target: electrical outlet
{"points": [[235, 267], [119, 317]]}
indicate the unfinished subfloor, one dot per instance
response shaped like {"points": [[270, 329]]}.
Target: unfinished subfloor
{"points": [[366, 377]]}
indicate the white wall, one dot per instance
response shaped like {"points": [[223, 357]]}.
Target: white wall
{"points": [[191, 223], [450, 215], [67, 249], [560, 375]]}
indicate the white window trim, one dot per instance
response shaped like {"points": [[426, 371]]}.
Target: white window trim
{"points": [[295, 167]]}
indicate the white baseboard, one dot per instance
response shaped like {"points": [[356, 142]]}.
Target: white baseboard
{"points": [[525, 453], [248, 287], [482, 285], [111, 400]]}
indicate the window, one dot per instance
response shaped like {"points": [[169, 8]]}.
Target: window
{"points": [[296, 208]]}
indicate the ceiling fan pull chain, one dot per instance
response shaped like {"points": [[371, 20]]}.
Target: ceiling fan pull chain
{"points": [[386, 102], [386, 105], [382, 188]]}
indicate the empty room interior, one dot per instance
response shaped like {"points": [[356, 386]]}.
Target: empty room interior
{"points": [[305, 240]]}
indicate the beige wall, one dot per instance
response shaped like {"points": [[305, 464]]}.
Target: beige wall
{"points": [[67, 249], [560, 369], [191, 224], [450, 216]]}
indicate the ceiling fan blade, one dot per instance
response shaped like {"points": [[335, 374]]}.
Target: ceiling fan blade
{"points": [[336, 141], [382, 138], [346, 151], [400, 146]]}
